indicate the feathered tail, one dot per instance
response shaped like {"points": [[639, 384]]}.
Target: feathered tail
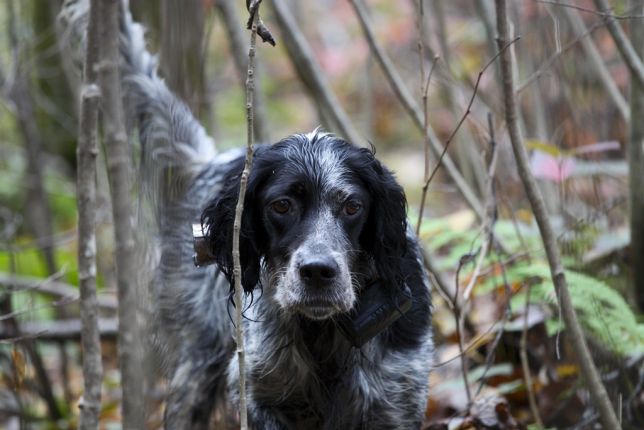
{"points": [[174, 146]]}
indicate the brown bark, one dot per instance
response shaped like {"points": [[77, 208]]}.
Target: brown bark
{"points": [[86, 152], [576, 335], [119, 172], [636, 165]]}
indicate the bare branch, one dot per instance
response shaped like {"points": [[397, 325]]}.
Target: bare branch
{"points": [[490, 213], [636, 168], [587, 10], [51, 287], [599, 64], [310, 73], [523, 349], [597, 390], [624, 47], [427, 141], [118, 165], [412, 109], [457, 311], [69, 329], [461, 121], [254, 25], [86, 184], [555, 56]]}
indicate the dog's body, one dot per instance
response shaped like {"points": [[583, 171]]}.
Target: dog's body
{"points": [[322, 219]]}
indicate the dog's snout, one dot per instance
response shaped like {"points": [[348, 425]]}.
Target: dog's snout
{"points": [[319, 271]]}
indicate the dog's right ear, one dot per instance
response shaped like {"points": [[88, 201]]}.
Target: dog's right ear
{"points": [[217, 222]]}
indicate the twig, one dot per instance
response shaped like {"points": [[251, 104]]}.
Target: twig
{"points": [[428, 180], [38, 212], [261, 29], [598, 63], [50, 286], [597, 390], [52, 331], [489, 359], [587, 10], [86, 184], [555, 56], [439, 280], [118, 165], [636, 166], [403, 95], [426, 139], [253, 9], [456, 309], [490, 213], [624, 46], [474, 343], [310, 73], [523, 348], [30, 309], [466, 159]]}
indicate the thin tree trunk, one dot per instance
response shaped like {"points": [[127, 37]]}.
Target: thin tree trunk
{"points": [[636, 164], [598, 63], [597, 391], [86, 187], [625, 48], [118, 165]]}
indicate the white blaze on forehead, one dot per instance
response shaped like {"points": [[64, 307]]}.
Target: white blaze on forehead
{"points": [[321, 161], [317, 133]]}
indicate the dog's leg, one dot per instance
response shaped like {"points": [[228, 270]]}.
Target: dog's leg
{"points": [[265, 419], [192, 392]]}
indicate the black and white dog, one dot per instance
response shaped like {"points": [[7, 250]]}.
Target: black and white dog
{"points": [[324, 230]]}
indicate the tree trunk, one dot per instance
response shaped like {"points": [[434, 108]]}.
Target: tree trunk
{"points": [[86, 187], [636, 164], [119, 172]]}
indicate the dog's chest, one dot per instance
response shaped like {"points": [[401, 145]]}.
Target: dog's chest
{"points": [[306, 379]]}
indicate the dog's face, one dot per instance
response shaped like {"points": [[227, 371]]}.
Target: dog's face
{"points": [[313, 214], [321, 217]]}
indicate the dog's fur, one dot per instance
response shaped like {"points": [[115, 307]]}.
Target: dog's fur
{"points": [[322, 218]]}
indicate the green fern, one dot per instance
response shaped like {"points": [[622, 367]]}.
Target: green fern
{"points": [[602, 311]]}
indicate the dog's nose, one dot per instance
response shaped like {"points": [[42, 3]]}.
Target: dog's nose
{"points": [[319, 271]]}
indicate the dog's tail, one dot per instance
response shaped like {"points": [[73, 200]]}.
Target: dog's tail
{"points": [[174, 146]]}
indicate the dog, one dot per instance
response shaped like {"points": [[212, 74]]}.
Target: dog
{"points": [[326, 256]]}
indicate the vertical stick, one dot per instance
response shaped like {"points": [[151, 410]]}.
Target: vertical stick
{"points": [[86, 184], [253, 8], [118, 166], [597, 391], [636, 164]]}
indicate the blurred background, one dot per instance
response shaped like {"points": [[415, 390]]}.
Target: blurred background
{"points": [[576, 99]]}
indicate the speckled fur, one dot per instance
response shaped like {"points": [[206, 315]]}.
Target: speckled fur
{"points": [[302, 373]]}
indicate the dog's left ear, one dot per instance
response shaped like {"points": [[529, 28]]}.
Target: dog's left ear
{"points": [[385, 233], [217, 220]]}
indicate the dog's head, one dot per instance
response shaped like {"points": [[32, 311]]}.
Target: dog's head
{"points": [[322, 216]]}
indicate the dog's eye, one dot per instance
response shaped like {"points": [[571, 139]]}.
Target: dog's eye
{"points": [[352, 207], [281, 206]]}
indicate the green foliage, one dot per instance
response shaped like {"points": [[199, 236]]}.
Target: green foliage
{"points": [[29, 262], [602, 311]]}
